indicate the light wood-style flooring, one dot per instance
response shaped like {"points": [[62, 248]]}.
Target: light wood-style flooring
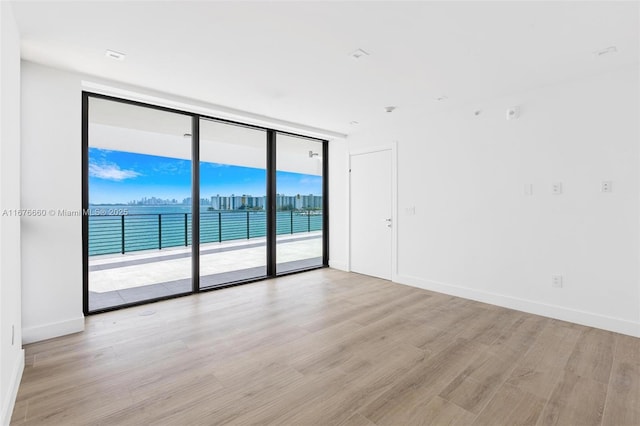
{"points": [[330, 348]]}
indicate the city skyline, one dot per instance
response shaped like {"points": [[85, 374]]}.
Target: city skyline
{"points": [[118, 177], [235, 202]]}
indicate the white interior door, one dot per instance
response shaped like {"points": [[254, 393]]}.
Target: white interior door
{"points": [[371, 207]]}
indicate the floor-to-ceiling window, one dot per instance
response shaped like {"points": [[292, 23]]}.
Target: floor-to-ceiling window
{"points": [[233, 189], [139, 209], [176, 203], [299, 203]]}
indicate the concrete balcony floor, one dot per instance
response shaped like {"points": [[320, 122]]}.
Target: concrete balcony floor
{"points": [[133, 277]]}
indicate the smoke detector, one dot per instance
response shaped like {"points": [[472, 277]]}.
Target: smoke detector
{"points": [[513, 112]]}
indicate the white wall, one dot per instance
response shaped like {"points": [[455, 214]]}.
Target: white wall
{"points": [[51, 180], [338, 203], [475, 234], [11, 353]]}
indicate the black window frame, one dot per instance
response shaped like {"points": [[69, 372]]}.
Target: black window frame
{"points": [[271, 150]]}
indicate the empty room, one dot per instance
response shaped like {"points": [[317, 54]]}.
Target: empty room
{"points": [[341, 213]]}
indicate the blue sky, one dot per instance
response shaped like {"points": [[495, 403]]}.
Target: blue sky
{"points": [[119, 177]]}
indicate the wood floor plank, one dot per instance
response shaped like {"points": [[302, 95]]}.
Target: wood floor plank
{"points": [[542, 366], [521, 334], [422, 383], [623, 397], [592, 356], [373, 338], [512, 406], [357, 419], [20, 412], [315, 387], [439, 411], [331, 348], [474, 386], [371, 378], [575, 401], [489, 325], [229, 403], [393, 306]]}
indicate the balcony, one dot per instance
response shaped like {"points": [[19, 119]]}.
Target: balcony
{"points": [[146, 256]]}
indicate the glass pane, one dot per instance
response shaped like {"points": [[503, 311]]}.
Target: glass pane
{"points": [[139, 203], [233, 182], [298, 203]]}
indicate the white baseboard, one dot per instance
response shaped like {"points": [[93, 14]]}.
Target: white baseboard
{"points": [[340, 266], [51, 330], [12, 393], [590, 319]]}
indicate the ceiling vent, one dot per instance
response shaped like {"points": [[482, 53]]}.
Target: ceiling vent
{"points": [[359, 53], [114, 55], [603, 52]]}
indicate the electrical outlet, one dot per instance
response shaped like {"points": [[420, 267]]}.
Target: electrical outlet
{"points": [[607, 186], [556, 188], [556, 281]]}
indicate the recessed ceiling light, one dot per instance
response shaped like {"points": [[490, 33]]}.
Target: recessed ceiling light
{"points": [[358, 53], [354, 123], [610, 49], [114, 55], [442, 98], [389, 108]]}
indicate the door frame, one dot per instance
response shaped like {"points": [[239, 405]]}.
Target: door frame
{"points": [[393, 147]]}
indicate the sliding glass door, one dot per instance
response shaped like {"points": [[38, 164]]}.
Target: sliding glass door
{"points": [[233, 185], [299, 203], [176, 203], [139, 205]]}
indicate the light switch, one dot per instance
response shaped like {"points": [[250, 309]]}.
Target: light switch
{"points": [[556, 188]]}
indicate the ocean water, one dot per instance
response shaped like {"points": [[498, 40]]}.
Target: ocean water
{"points": [[154, 227]]}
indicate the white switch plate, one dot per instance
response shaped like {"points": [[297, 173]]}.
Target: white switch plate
{"points": [[556, 281], [528, 189], [607, 186], [556, 188]]}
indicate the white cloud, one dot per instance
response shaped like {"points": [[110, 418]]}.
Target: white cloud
{"points": [[310, 181], [111, 171], [173, 167]]}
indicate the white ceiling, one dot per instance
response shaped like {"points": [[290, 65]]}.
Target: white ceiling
{"points": [[291, 60]]}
